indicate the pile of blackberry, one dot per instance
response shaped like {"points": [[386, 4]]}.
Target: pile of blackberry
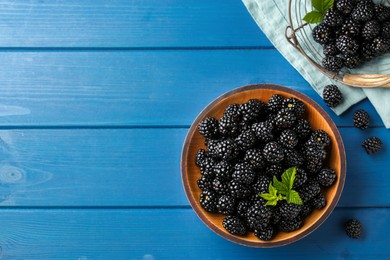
{"points": [[249, 145], [352, 33]]}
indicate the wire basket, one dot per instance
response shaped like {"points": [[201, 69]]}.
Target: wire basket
{"points": [[375, 73]]}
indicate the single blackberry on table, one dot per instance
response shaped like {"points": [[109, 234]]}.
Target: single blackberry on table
{"points": [[320, 137], [207, 168], [200, 157], [289, 210], [244, 172], [288, 138], [300, 178], [309, 190], [273, 152], [285, 118], [326, 177], [371, 29], [351, 28], [223, 170], [345, 6], [226, 204], [252, 109], [331, 49], [289, 225], [265, 233], [361, 119], [292, 158], [234, 225], [306, 210], [319, 201], [353, 228], [274, 170], [208, 200], [255, 158], [246, 140], [352, 61], [380, 45], [372, 145], [302, 128], [347, 45], [364, 11], [228, 126], [322, 34], [232, 111], [263, 131], [220, 187], [333, 63], [275, 103], [262, 184], [205, 183], [382, 12], [258, 216], [333, 18], [294, 105], [239, 189], [223, 149], [385, 33], [209, 127]]}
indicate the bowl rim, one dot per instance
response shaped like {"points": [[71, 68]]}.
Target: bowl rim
{"points": [[263, 244]]}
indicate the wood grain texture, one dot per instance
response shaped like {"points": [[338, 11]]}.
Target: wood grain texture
{"points": [[137, 234], [140, 167], [132, 24], [125, 88]]}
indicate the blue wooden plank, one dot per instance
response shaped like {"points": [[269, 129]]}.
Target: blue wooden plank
{"points": [[135, 87], [132, 24], [173, 234], [140, 167]]}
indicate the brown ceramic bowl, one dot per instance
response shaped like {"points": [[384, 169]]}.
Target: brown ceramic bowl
{"points": [[318, 118]]}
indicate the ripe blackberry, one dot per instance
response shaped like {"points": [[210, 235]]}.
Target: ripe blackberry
{"points": [[234, 225], [289, 225], [226, 204], [265, 233], [321, 137], [372, 145], [330, 49], [292, 158], [333, 63], [205, 183], [258, 216], [223, 170], [209, 127], [347, 45], [371, 29], [246, 140], [255, 158], [200, 157], [361, 119], [300, 178], [364, 11], [289, 210], [294, 105], [313, 151], [380, 45], [367, 53], [207, 169], [273, 152], [333, 18], [263, 131], [385, 33], [352, 61], [319, 201], [275, 103], [309, 190], [239, 189], [242, 208], [244, 172], [224, 149], [382, 12], [220, 187], [274, 170], [350, 28], [306, 210], [288, 138], [228, 126], [326, 177], [262, 184], [208, 200], [313, 165], [345, 6], [302, 128], [322, 33], [252, 109], [232, 111], [353, 228], [285, 118]]}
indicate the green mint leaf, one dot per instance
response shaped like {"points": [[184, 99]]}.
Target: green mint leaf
{"points": [[271, 203], [272, 190], [268, 196], [313, 17], [288, 177], [293, 197], [322, 5], [280, 186]]}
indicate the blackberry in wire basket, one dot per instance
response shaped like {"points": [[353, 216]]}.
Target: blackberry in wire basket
{"points": [[345, 6], [385, 33], [352, 61], [351, 28], [333, 63], [382, 12], [347, 45], [371, 29], [331, 49], [322, 33], [363, 12], [333, 18]]}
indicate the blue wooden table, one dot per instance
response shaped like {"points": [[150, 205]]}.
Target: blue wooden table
{"points": [[96, 98]]}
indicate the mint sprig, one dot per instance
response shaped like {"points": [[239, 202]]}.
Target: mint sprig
{"points": [[320, 8], [282, 190]]}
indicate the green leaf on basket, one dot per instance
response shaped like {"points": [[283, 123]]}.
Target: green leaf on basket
{"points": [[322, 5], [293, 197], [313, 17]]}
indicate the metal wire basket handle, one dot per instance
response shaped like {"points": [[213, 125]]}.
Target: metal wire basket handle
{"points": [[354, 80]]}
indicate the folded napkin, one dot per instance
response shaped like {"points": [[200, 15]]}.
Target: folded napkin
{"points": [[272, 17]]}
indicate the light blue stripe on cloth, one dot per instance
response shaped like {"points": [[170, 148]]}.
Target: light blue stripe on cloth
{"points": [[271, 17]]}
